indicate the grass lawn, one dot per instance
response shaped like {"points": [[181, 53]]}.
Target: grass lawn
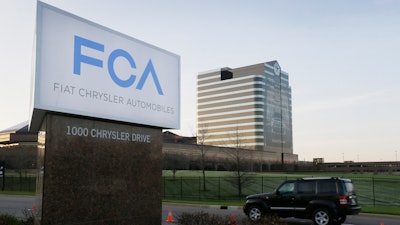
{"points": [[376, 193]]}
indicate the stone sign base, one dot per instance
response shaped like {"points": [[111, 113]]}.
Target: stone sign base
{"points": [[97, 172]]}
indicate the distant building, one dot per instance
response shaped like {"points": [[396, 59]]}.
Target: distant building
{"points": [[19, 151], [18, 147], [248, 107], [318, 161]]}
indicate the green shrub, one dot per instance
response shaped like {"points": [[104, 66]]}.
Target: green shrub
{"points": [[266, 220], [6, 219], [28, 221], [29, 218], [202, 218]]}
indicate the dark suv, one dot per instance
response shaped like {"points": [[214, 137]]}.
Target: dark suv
{"points": [[324, 200]]}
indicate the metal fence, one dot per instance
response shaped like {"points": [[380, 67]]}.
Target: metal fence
{"points": [[371, 191], [18, 183]]}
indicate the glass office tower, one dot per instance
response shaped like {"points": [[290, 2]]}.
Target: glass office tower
{"points": [[248, 107]]}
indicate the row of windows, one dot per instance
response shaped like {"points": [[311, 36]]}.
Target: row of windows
{"points": [[249, 78], [218, 88], [232, 145], [249, 137], [232, 114], [204, 103], [236, 91], [229, 107], [229, 122], [231, 94], [309, 187], [224, 129], [239, 141]]}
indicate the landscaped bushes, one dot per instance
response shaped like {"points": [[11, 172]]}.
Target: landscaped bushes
{"points": [[9, 220], [267, 220], [202, 218], [6, 219]]}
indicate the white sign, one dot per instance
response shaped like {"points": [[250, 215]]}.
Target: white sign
{"points": [[86, 69]]}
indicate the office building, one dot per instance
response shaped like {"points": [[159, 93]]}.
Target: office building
{"points": [[248, 107]]}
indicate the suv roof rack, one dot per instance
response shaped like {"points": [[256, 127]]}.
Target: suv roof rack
{"points": [[320, 178]]}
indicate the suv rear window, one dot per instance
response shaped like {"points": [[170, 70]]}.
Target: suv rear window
{"points": [[327, 186], [349, 187]]}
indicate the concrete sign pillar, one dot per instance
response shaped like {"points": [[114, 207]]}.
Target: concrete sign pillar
{"points": [[98, 172]]}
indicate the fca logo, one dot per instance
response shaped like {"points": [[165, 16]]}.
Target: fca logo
{"points": [[79, 58]]}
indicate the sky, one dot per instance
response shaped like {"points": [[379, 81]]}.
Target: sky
{"points": [[342, 57]]}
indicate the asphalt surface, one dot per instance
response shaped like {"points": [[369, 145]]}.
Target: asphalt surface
{"points": [[18, 205]]}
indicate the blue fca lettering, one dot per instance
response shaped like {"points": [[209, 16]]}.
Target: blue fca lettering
{"points": [[79, 59]]}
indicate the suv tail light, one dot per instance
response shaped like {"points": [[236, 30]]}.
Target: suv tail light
{"points": [[343, 200]]}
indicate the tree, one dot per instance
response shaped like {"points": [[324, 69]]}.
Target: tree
{"points": [[240, 160], [174, 162], [202, 136]]}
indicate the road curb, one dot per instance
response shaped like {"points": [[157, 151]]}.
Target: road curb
{"points": [[380, 215], [222, 207], [227, 207]]}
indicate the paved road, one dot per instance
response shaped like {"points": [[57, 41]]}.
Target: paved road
{"points": [[362, 219], [15, 205]]}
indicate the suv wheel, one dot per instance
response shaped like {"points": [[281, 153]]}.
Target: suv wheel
{"points": [[255, 213], [321, 217]]}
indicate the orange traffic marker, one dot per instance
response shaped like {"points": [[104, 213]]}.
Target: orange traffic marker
{"points": [[169, 218], [233, 219]]}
